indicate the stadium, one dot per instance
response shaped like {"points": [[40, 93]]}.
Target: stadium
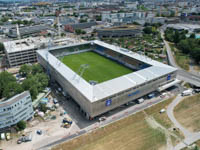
{"points": [[101, 77]]}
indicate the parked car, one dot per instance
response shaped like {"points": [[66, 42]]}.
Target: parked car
{"points": [[197, 90], [151, 95], [141, 100], [55, 101], [39, 132], [24, 139]]}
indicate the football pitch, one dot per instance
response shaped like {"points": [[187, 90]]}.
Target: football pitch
{"points": [[100, 68]]}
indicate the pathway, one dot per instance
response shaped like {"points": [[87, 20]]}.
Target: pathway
{"points": [[190, 137]]}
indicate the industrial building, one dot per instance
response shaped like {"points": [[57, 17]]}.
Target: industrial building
{"points": [[15, 109], [95, 99], [27, 31], [73, 27], [121, 31]]}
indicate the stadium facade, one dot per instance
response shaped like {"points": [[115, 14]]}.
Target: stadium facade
{"points": [[96, 99]]}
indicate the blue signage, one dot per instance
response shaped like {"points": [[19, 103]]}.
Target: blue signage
{"points": [[108, 102], [168, 77], [134, 93]]}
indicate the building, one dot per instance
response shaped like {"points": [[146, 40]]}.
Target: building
{"points": [[15, 109], [96, 99], [23, 51], [27, 31], [19, 52], [121, 31], [73, 27], [191, 28]]}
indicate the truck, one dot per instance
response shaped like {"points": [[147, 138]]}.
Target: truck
{"points": [[141, 100], [187, 92]]}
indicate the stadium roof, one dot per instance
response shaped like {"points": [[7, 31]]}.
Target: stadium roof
{"points": [[108, 88]]}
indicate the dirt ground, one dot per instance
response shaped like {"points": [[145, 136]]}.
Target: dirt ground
{"points": [[187, 113], [51, 131]]}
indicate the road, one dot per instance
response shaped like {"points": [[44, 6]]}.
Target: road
{"points": [[190, 137], [182, 74]]}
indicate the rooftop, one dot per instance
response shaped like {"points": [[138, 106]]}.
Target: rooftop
{"points": [[189, 27], [24, 44], [36, 42], [110, 87], [13, 99]]}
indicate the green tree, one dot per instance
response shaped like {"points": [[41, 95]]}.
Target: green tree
{"points": [[34, 92], [147, 30], [195, 53], [36, 68], [43, 107], [31, 84], [21, 125], [1, 47], [192, 36], [5, 79], [25, 70], [12, 89], [78, 31], [184, 46], [42, 81]]}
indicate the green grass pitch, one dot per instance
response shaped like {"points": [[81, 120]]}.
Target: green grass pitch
{"points": [[100, 68]]}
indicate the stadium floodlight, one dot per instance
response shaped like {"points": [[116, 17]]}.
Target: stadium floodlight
{"points": [[80, 71]]}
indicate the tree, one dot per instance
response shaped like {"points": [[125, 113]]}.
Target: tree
{"points": [[184, 46], [63, 34], [176, 36], [78, 31], [31, 84], [147, 30], [195, 53], [83, 20], [43, 107], [42, 81], [33, 92], [192, 36], [12, 89], [5, 79], [21, 125], [1, 47], [25, 70], [98, 18], [36, 68]]}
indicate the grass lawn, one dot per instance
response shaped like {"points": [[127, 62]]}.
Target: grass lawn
{"points": [[131, 133], [187, 113], [182, 60], [162, 118], [100, 68]]}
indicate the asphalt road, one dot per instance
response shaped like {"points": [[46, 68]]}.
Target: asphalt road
{"points": [[182, 74]]}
